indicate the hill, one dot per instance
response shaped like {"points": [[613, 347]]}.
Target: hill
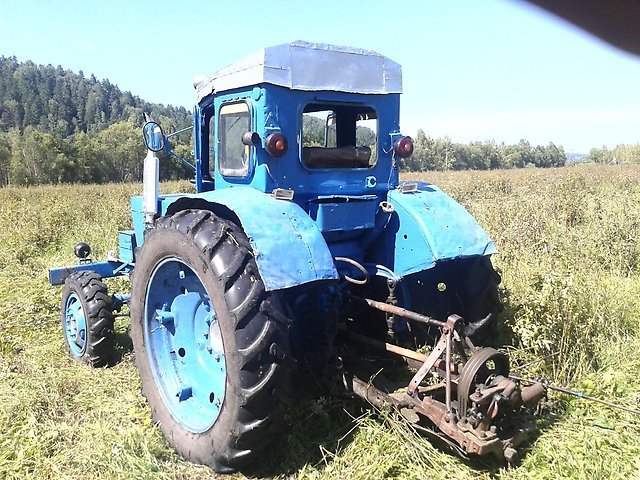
{"points": [[57, 126], [60, 101]]}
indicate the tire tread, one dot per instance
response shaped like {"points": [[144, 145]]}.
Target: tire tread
{"points": [[226, 254], [98, 309]]}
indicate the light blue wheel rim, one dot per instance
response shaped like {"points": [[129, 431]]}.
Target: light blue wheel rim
{"points": [[75, 325], [184, 345]]}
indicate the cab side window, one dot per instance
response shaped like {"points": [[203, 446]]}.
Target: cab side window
{"points": [[234, 120]]}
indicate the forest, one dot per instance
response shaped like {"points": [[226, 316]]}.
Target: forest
{"points": [[58, 126]]}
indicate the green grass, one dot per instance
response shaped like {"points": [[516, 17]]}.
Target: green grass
{"points": [[569, 258]]}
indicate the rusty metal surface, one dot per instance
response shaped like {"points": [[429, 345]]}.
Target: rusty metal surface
{"points": [[475, 407], [429, 363], [472, 368], [403, 352], [402, 312]]}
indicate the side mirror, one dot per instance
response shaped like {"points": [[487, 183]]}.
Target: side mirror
{"points": [[153, 136]]}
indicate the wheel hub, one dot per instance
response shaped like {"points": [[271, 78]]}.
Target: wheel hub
{"points": [[185, 345], [75, 325]]}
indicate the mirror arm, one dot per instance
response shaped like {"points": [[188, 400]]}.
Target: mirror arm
{"points": [[182, 160], [180, 131]]}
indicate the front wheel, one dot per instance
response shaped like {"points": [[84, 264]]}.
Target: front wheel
{"points": [[209, 348], [87, 319]]}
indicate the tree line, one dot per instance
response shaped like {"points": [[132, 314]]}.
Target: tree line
{"points": [[443, 154], [34, 157], [57, 126], [620, 154]]}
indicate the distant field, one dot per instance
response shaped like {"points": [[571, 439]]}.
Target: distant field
{"points": [[569, 242]]}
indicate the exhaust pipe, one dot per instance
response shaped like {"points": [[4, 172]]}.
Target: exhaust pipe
{"points": [[154, 141]]}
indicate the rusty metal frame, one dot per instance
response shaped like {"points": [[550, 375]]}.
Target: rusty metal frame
{"points": [[479, 438]]}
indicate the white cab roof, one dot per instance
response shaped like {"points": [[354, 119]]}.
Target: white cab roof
{"points": [[302, 65]]}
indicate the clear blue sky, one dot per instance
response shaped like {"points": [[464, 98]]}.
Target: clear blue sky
{"points": [[472, 70]]}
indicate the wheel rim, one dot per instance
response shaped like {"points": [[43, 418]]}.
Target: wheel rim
{"points": [[184, 345], [75, 325]]}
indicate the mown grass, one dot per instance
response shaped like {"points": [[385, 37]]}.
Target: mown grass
{"points": [[569, 258]]}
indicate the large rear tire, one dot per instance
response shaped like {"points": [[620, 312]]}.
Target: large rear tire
{"points": [[211, 345], [467, 287]]}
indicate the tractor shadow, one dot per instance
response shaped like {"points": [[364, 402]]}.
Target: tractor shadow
{"points": [[318, 428], [122, 344], [321, 429]]}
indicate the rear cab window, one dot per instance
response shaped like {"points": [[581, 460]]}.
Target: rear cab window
{"points": [[339, 136]]}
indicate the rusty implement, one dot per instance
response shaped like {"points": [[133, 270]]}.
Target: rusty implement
{"points": [[464, 391]]}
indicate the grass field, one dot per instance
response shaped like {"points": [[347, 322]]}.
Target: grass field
{"points": [[569, 242]]}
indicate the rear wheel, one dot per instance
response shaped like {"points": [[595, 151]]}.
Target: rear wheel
{"points": [[467, 287], [211, 345]]}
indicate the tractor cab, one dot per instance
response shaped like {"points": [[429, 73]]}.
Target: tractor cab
{"points": [[304, 121]]}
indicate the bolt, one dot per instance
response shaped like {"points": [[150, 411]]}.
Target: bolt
{"points": [[493, 429], [216, 357], [164, 318], [209, 349], [181, 275]]}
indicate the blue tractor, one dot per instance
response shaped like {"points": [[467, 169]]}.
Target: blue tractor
{"points": [[300, 254]]}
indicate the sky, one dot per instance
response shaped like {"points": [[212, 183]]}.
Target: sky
{"points": [[472, 70]]}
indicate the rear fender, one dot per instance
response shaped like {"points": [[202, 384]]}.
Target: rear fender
{"points": [[428, 226], [288, 246]]}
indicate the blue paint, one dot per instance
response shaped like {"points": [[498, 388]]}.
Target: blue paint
{"points": [[278, 109], [288, 246], [338, 213], [343, 203], [334, 211], [119, 299], [126, 245], [75, 325], [110, 268], [428, 226], [184, 344]]}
